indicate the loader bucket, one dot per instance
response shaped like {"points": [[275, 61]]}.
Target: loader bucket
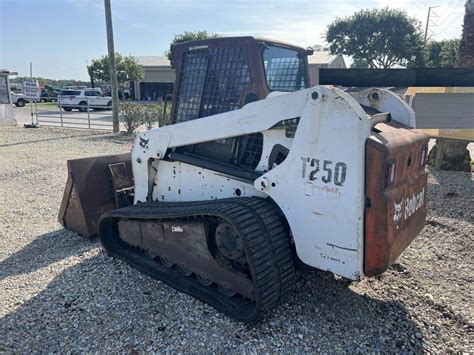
{"points": [[95, 186]]}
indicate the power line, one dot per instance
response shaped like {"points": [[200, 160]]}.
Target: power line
{"points": [[446, 17], [454, 9], [458, 17]]}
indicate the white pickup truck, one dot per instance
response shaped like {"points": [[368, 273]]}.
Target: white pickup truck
{"points": [[82, 99], [18, 99]]}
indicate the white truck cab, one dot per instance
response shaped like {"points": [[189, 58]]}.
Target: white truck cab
{"points": [[18, 99]]}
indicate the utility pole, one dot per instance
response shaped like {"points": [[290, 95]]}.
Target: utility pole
{"points": [[428, 21], [113, 73], [31, 101]]}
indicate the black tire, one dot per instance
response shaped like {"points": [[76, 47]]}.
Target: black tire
{"points": [[83, 106], [20, 103], [109, 105], [68, 109]]}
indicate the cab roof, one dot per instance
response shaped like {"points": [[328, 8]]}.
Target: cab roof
{"points": [[237, 41]]}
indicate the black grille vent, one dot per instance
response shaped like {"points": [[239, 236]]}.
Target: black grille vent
{"points": [[250, 150]]}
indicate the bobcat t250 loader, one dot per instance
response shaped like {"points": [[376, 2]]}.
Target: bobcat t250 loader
{"points": [[258, 170]]}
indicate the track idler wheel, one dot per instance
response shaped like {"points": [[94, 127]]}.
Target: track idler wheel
{"points": [[228, 241]]}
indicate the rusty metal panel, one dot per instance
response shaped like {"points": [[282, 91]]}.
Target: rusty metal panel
{"points": [[396, 214], [90, 192], [444, 110]]}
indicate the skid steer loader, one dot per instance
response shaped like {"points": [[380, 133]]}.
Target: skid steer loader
{"points": [[259, 170]]}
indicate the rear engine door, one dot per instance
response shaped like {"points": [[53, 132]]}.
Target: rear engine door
{"points": [[396, 182]]}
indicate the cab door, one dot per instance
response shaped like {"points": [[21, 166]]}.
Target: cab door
{"points": [[94, 98], [90, 98], [99, 99]]}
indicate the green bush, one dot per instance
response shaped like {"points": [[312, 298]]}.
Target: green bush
{"points": [[134, 115], [154, 114]]}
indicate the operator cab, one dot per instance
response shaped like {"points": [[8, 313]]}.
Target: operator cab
{"points": [[224, 74]]}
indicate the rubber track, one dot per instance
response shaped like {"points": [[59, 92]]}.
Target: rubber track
{"points": [[261, 229]]}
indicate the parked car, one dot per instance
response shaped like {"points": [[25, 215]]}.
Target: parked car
{"points": [[81, 99], [18, 99], [49, 93]]}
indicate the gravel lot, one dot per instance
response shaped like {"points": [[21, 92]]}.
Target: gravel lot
{"points": [[61, 292]]}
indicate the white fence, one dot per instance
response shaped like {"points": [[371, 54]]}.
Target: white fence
{"points": [[86, 116]]}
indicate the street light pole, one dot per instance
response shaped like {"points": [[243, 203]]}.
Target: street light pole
{"points": [[112, 69]]}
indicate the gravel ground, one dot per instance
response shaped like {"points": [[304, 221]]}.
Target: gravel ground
{"points": [[61, 292]]}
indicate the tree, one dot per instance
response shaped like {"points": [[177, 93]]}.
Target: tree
{"points": [[52, 82], [190, 36], [318, 48], [360, 64], [466, 47], [383, 37], [128, 69], [441, 54]]}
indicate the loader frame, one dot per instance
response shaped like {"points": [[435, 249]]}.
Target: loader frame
{"points": [[325, 212]]}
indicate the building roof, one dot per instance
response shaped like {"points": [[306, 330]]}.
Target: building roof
{"points": [[153, 61], [7, 72], [322, 57]]}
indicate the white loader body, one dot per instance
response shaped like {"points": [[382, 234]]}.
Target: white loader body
{"points": [[319, 187]]}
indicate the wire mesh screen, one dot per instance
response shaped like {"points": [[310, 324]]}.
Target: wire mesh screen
{"points": [[250, 150], [227, 76], [191, 85], [283, 69], [212, 81], [283, 74]]}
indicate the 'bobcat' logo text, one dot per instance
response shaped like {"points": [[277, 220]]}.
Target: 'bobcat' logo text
{"points": [[407, 207]]}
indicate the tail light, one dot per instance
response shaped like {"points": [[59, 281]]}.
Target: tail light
{"points": [[390, 173], [424, 157]]}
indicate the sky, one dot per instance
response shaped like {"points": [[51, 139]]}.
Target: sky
{"points": [[61, 36]]}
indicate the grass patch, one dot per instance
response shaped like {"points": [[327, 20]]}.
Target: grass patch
{"points": [[46, 104]]}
